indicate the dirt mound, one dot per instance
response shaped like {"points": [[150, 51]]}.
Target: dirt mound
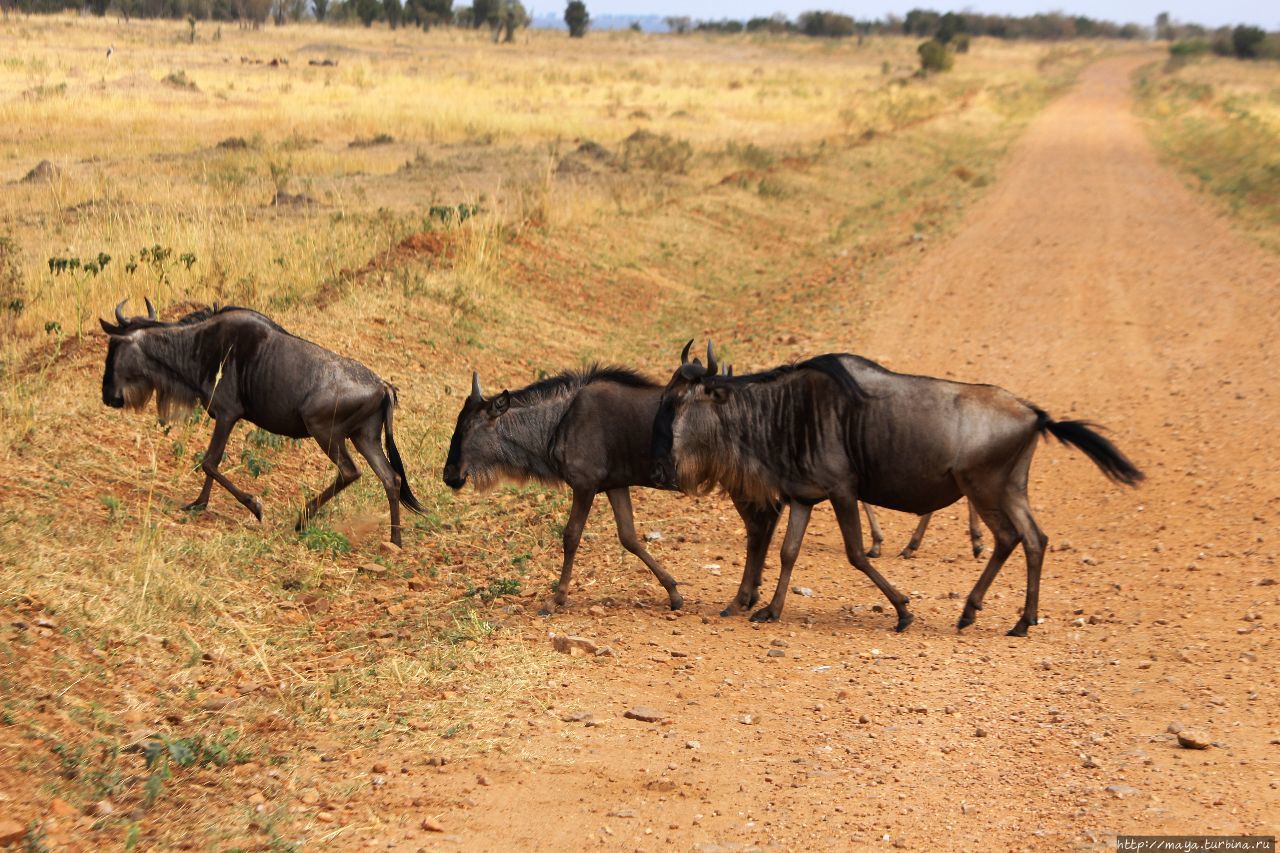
{"points": [[436, 249], [44, 171], [582, 159]]}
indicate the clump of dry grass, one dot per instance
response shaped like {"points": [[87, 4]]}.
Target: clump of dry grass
{"points": [[1219, 120]]}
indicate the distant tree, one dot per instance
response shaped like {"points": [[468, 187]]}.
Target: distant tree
{"points": [[921, 22], [321, 8], [678, 24], [1246, 40], [97, 7], [392, 10], [950, 25], [482, 11], [1164, 32], [576, 18], [464, 16], [428, 13], [367, 11], [507, 17], [825, 24], [776, 23], [635, 27]]}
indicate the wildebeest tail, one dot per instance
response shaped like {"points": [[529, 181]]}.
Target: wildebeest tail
{"points": [[1083, 436], [393, 454]]}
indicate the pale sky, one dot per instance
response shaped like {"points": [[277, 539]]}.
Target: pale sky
{"points": [[1264, 14]]}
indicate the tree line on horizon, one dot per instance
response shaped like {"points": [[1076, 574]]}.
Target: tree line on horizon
{"points": [[505, 17]]}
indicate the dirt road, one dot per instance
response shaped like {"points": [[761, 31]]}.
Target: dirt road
{"points": [[1093, 283]]}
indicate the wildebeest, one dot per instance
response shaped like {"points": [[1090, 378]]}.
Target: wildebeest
{"points": [[240, 365], [877, 536], [590, 429], [839, 427]]}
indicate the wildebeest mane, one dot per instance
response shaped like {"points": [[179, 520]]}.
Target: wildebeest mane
{"points": [[828, 365], [573, 380]]}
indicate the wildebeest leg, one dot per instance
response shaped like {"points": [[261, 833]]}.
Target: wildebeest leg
{"points": [[620, 500], [797, 521], [367, 441], [847, 514], [1033, 545], [582, 500], [212, 457], [335, 447], [1006, 539], [975, 531], [876, 536], [760, 522], [917, 537]]}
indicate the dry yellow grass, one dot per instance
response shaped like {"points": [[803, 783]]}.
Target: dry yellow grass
{"points": [[1219, 120], [787, 162]]}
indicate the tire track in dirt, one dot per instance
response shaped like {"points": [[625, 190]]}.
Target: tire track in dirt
{"points": [[1092, 282]]}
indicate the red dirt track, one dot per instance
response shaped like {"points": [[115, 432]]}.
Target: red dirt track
{"points": [[1093, 283]]}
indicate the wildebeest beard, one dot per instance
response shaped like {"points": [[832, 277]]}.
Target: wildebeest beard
{"points": [[175, 397]]}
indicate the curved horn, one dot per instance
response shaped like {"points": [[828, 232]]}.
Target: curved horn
{"points": [[711, 359], [476, 394], [120, 314], [151, 309], [684, 353]]}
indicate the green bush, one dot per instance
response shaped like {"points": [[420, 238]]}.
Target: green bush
{"points": [[934, 57]]}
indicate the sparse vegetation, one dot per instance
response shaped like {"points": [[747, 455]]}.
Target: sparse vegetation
{"points": [[1218, 120]]}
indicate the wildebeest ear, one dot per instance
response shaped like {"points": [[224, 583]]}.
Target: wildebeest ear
{"points": [[108, 328], [501, 402], [719, 393]]}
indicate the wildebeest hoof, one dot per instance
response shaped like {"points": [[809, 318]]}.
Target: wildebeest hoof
{"points": [[764, 615], [977, 550], [966, 619], [1018, 630], [255, 506], [907, 553], [875, 551], [195, 506], [677, 601], [904, 622]]}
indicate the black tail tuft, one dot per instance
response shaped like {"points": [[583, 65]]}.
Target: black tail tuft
{"points": [[1083, 436], [393, 455]]}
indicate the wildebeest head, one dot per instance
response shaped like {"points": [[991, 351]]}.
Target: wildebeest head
{"points": [[686, 418], [476, 450], [127, 381]]}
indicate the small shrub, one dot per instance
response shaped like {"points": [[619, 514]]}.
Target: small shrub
{"points": [[1246, 41], [448, 214], [497, 588], [770, 188], [934, 57], [319, 538], [372, 141], [180, 80], [750, 155], [1189, 48], [656, 152]]}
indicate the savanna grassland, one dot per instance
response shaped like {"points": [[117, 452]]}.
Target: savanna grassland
{"points": [[1219, 120], [426, 204]]}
